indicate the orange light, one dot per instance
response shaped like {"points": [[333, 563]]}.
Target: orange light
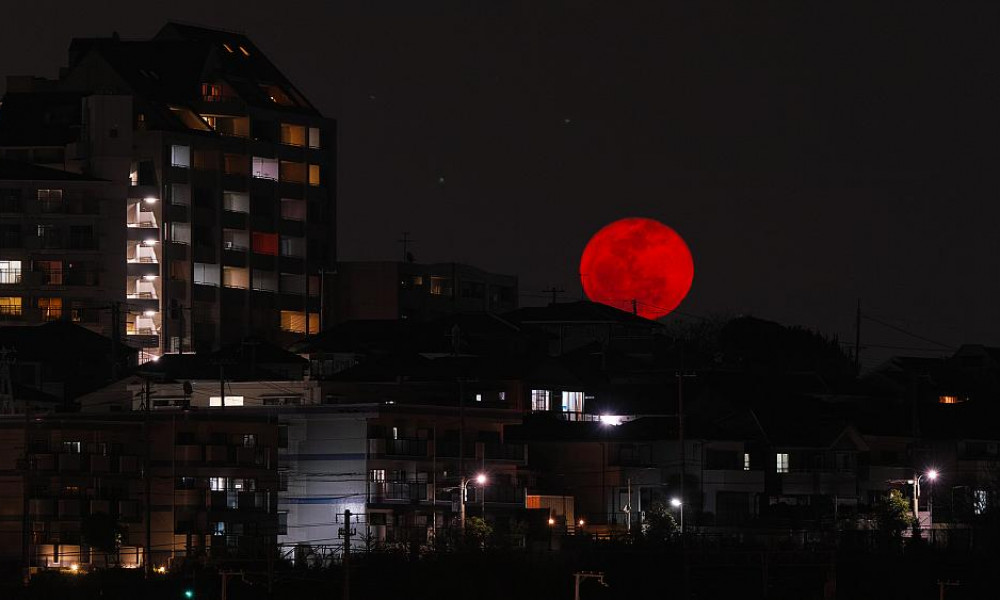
{"points": [[581, 522], [948, 400], [552, 521]]}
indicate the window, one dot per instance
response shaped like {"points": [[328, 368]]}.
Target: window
{"points": [[10, 306], [235, 239], [289, 283], [540, 400], [314, 137], [52, 271], [180, 156], [501, 396], [293, 246], [295, 322], [235, 277], [572, 402], [293, 210], [265, 243], [218, 484], [440, 286], [293, 135], [377, 475], [236, 164], [180, 233], [50, 308], [50, 201], [314, 175], [230, 401], [206, 274], [980, 501], [71, 447], [265, 281], [10, 271], [249, 440], [10, 200], [236, 202], [746, 461], [782, 462], [265, 168], [294, 172], [211, 92], [180, 194]]}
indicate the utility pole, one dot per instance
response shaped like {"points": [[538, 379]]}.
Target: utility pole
{"points": [[857, 338], [116, 324], [555, 292], [406, 241], [147, 563], [347, 532], [635, 307], [680, 436]]}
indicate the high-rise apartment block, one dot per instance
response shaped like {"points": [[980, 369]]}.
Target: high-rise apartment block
{"points": [[220, 176]]}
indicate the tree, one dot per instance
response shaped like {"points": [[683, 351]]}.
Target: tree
{"points": [[102, 532], [478, 533], [660, 525], [893, 515]]}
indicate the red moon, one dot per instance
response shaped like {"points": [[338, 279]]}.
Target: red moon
{"points": [[637, 259]]}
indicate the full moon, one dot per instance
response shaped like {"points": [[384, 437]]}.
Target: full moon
{"points": [[637, 260]]}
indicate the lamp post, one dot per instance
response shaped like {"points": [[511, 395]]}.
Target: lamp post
{"points": [[931, 475], [679, 504], [463, 487]]}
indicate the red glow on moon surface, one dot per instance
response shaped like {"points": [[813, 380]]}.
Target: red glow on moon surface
{"points": [[637, 259]]}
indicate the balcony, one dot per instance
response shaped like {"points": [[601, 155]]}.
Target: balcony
{"points": [[400, 492], [497, 451], [398, 447]]}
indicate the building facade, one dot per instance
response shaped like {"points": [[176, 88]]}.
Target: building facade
{"points": [[229, 172]]}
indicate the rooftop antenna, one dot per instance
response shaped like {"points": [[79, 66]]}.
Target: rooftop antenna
{"points": [[406, 241]]}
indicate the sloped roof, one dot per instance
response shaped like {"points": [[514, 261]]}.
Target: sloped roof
{"points": [[576, 312]]}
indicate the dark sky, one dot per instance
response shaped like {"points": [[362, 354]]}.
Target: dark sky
{"points": [[810, 153]]}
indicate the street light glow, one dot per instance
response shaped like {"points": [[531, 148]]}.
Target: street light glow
{"points": [[675, 502], [481, 479], [932, 474]]}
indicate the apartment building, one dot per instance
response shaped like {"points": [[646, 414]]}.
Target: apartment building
{"points": [[60, 240], [228, 207], [128, 488]]}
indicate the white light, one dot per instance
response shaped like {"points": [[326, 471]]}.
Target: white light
{"points": [[480, 479], [612, 420], [150, 200], [932, 474], [150, 313], [149, 242], [675, 502], [155, 358], [149, 277]]}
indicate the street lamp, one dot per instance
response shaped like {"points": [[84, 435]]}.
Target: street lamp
{"points": [[463, 488], [931, 475], [677, 503]]}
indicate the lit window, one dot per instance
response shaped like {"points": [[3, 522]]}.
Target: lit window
{"points": [[572, 402], [10, 271], [180, 233], [950, 400], [314, 137], [230, 401], [50, 201], [180, 156], [219, 528], [71, 447], [249, 440], [265, 168], [540, 400], [236, 202], [265, 243], [479, 397], [314, 175], [218, 484], [10, 306], [293, 246], [980, 501], [244, 51], [293, 135], [295, 322], [235, 277], [52, 270], [782, 462], [378, 475], [228, 48], [746, 461], [51, 308], [206, 274], [211, 92], [440, 286]]}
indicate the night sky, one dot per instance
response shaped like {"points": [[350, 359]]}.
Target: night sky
{"points": [[809, 153]]}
